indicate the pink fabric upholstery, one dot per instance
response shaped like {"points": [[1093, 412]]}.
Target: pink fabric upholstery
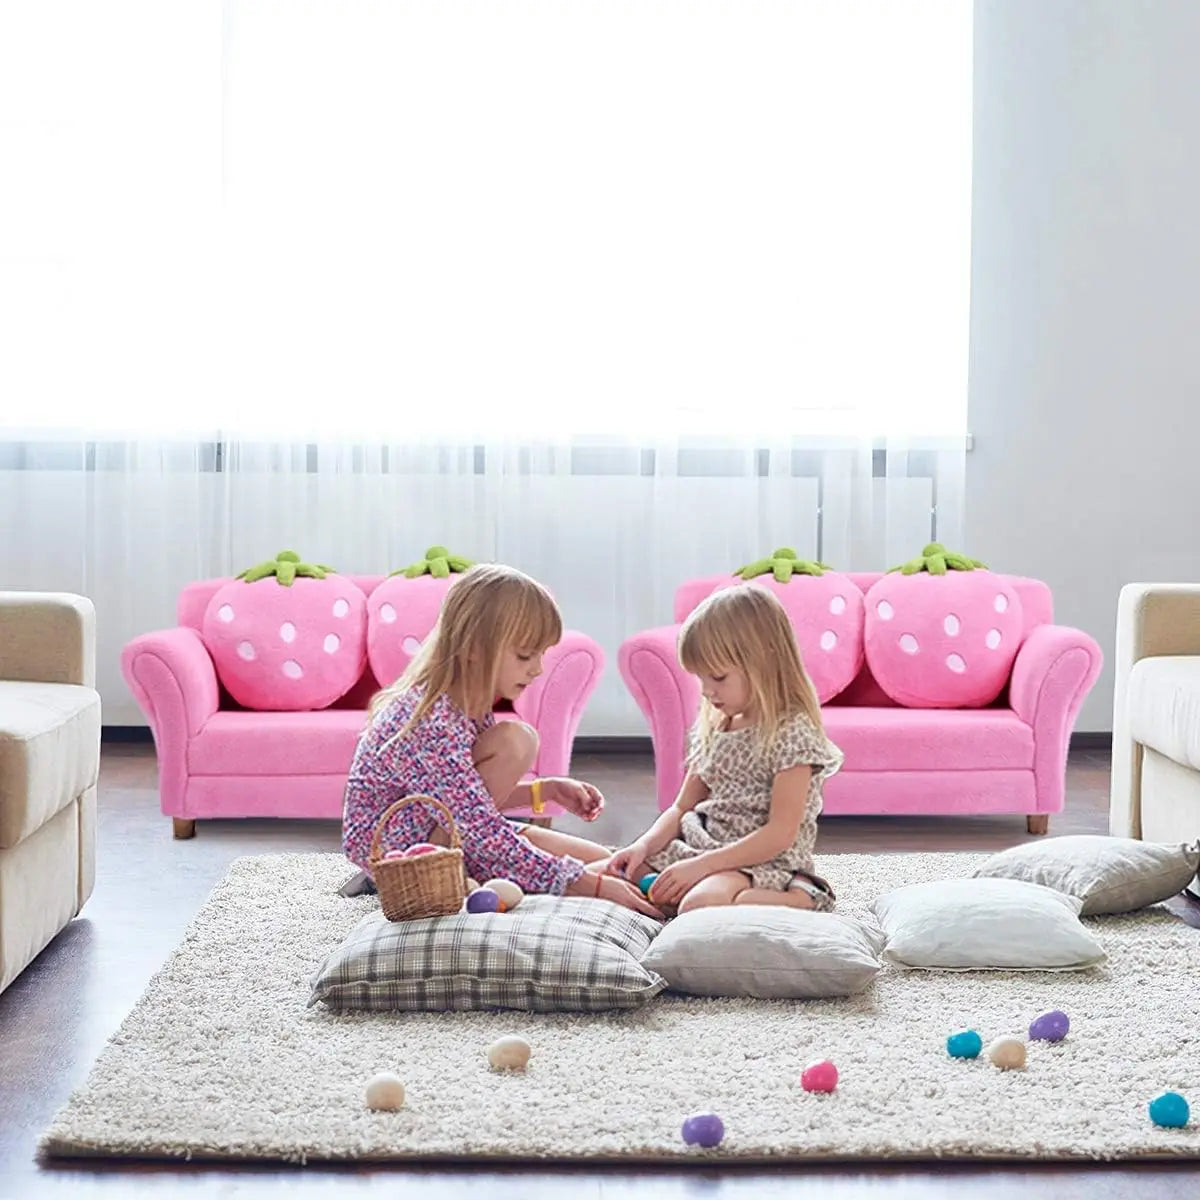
{"points": [[1007, 758], [401, 613], [217, 759]]}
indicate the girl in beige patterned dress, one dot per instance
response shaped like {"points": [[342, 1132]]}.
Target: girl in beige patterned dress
{"points": [[742, 829]]}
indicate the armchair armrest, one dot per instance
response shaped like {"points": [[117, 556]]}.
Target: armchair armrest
{"points": [[1052, 675], [553, 704], [173, 680], [47, 637], [1153, 619], [669, 698]]}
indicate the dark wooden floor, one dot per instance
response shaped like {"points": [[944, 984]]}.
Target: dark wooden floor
{"points": [[56, 1017]]}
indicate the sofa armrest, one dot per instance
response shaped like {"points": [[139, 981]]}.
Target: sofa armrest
{"points": [[172, 677], [669, 698], [553, 704], [1153, 619], [1052, 675], [47, 637]]}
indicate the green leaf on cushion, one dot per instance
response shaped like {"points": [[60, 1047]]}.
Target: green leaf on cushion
{"points": [[285, 567], [784, 564], [438, 562], [936, 560]]}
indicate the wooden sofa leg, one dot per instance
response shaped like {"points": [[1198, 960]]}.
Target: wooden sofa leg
{"points": [[1037, 822], [183, 829]]}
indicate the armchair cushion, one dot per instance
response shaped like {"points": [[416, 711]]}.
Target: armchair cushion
{"points": [[1164, 707], [49, 752]]}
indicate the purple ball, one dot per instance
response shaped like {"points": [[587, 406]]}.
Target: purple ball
{"points": [[1050, 1027], [703, 1129], [483, 900]]}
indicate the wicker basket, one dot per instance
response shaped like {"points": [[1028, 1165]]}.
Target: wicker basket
{"points": [[426, 885]]}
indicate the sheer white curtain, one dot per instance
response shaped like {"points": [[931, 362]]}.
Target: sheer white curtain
{"points": [[617, 293]]}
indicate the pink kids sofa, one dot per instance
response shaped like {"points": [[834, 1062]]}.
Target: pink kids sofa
{"points": [[918, 750], [283, 747]]}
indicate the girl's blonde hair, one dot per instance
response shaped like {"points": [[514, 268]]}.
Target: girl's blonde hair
{"points": [[488, 610], [746, 628]]}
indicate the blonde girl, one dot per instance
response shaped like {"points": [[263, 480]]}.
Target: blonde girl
{"points": [[433, 733], [743, 827]]}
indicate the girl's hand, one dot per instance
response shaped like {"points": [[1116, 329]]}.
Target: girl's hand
{"points": [[629, 863], [582, 799], [677, 880], [595, 885]]}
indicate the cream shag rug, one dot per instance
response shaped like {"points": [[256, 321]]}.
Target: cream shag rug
{"points": [[220, 1059]]}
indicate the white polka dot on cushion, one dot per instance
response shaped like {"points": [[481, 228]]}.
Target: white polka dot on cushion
{"points": [[332, 642], [1000, 604], [956, 663], [246, 650], [341, 607], [951, 625], [828, 640], [993, 639], [885, 610], [225, 612], [837, 605], [410, 646], [292, 669], [387, 614], [909, 644], [287, 631]]}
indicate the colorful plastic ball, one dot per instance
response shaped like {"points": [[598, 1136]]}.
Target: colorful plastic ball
{"points": [[1050, 1027], [964, 1044], [819, 1076], [483, 900], [703, 1129], [646, 883], [1170, 1110], [420, 848]]}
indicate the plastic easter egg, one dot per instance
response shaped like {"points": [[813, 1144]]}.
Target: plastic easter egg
{"points": [[964, 1044], [420, 848], [483, 900], [509, 892], [385, 1092], [395, 854], [1050, 1027], [646, 883], [819, 1076], [1007, 1053], [509, 1054], [1170, 1110], [703, 1129]]}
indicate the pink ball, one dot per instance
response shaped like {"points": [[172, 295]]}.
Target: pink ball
{"points": [[819, 1076], [420, 848]]}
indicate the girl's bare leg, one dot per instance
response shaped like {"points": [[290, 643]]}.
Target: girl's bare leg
{"points": [[794, 898], [554, 842], [726, 887], [503, 755]]}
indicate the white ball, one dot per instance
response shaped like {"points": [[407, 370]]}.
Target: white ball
{"points": [[1007, 1053], [385, 1092], [509, 1054], [508, 891]]}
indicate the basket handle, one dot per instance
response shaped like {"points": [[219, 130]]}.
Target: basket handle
{"points": [[392, 809]]}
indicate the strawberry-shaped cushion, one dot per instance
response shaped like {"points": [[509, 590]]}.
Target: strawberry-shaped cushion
{"points": [[403, 609], [942, 631], [286, 635], [825, 608]]}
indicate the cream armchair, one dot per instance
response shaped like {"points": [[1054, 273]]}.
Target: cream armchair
{"points": [[49, 763], [1156, 714]]}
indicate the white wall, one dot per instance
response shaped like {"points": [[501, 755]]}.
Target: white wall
{"points": [[1085, 323]]}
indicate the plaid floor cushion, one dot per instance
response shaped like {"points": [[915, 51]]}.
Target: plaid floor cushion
{"points": [[549, 954]]}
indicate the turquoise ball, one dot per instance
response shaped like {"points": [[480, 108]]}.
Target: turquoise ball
{"points": [[646, 883], [966, 1044], [1170, 1110]]}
